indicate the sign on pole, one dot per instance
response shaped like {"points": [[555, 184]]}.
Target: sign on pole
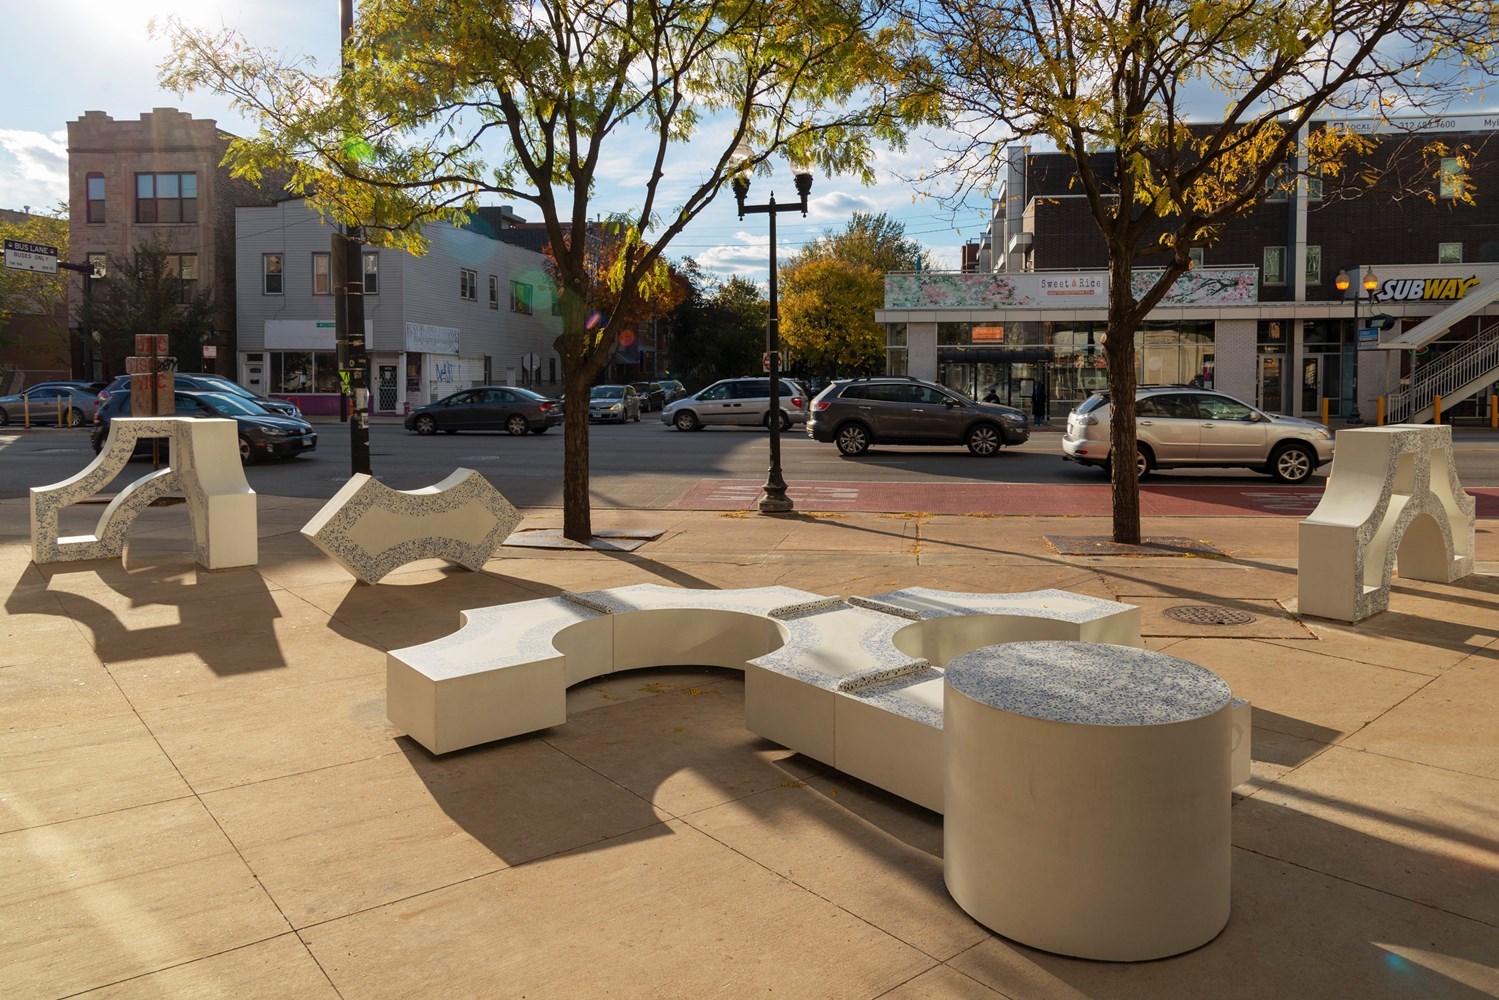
{"points": [[23, 256]]}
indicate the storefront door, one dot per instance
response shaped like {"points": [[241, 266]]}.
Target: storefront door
{"points": [[1321, 378], [1273, 383], [385, 389]]}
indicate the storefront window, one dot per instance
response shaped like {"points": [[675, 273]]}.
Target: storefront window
{"points": [[325, 371]]}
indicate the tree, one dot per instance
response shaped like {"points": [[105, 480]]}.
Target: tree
{"points": [[719, 329], [444, 101], [1111, 85], [827, 317], [832, 287], [31, 293], [144, 292]]}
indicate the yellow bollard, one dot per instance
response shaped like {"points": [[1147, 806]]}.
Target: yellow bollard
{"points": [[26, 411], [1325, 404], [1436, 409], [1379, 421]]}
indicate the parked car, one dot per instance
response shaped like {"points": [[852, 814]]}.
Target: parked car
{"points": [[859, 413], [614, 402], [61, 404], [1180, 426], [737, 401], [487, 408], [674, 390], [261, 433], [204, 382], [652, 395]]}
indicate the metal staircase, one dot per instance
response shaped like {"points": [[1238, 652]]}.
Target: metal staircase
{"points": [[1458, 375]]}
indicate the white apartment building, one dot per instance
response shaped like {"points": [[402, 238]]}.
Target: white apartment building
{"points": [[471, 311]]}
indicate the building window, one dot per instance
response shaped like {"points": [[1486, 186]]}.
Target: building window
{"points": [[371, 272], [1275, 266], [520, 297], [183, 267], [270, 269], [1278, 184], [296, 372], [166, 197], [1194, 257], [1449, 253], [322, 283], [494, 291], [95, 183], [1314, 265], [1453, 183], [468, 284], [1314, 183]]}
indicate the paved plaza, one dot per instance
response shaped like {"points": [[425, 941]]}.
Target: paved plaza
{"points": [[200, 794]]}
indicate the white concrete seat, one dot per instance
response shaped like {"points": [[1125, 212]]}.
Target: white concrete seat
{"points": [[889, 733]]}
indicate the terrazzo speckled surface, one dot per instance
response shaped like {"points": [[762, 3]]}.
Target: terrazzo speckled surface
{"points": [[108, 539], [924, 604], [1414, 468], [462, 519], [1086, 683], [497, 637], [812, 654]]}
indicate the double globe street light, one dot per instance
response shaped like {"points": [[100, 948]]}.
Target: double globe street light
{"points": [[1369, 283], [773, 500]]}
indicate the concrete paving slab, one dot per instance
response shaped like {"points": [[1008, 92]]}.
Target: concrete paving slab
{"points": [[93, 901], [1449, 723], [941, 983], [667, 912], [49, 679], [334, 841], [82, 768], [278, 969]]}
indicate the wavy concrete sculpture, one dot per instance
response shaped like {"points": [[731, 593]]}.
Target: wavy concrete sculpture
{"points": [[372, 530], [1393, 493], [203, 462], [866, 686]]}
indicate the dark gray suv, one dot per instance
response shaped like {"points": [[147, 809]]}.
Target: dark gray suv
{"points": [[896, 409]]}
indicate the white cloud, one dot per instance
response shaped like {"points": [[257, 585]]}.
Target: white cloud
{"points": [[33, 169]]}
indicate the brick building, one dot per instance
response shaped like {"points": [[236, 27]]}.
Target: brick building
{"points": [[129, 181], [1260, 316]]}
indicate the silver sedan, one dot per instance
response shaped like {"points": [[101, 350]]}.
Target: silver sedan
{"points": [[53, 404]]}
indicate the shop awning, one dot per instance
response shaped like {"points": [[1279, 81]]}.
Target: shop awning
{"points": [[994, 355], [1428, 330]]}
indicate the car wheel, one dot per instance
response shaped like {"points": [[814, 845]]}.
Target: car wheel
{"points": [[1144, 461], [246, 453], [686, 421], [425, 424], [75, 418], [1293, 464], [852, 439], [637, 416], [516, 424], [984, 440], [785, 421], [4, 418]]}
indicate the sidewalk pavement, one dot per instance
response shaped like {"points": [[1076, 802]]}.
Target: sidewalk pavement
{"points": [[201, 795]]}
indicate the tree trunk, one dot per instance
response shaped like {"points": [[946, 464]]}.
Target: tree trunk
{"points": [[1120, 351], [577, 514]]}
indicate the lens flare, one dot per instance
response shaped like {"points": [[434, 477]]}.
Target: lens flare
{"points": [[356, 149]]}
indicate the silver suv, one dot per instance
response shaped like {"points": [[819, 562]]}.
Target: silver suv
{"points": [[1179, 426], [901, 409], [742, 401]]}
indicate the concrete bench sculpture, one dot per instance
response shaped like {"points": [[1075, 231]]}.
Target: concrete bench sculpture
{"points": [[372, 530], [1393, 493], [865, 685], [203, 462]]}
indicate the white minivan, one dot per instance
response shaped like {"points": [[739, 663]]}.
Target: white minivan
{"points": [[741, 401]]}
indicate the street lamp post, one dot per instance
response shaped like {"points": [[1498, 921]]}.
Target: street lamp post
{"points": [[1369, 283], [773, 499]]}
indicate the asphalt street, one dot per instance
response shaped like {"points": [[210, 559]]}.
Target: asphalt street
{"points": [[648, 464]]}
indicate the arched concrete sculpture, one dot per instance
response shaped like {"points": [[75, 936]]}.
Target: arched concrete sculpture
{"points": [[1393, 493], [372, 530], [203, 462], [860, 685]]}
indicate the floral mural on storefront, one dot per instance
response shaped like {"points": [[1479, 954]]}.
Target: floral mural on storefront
{"points": [[983, 290]]}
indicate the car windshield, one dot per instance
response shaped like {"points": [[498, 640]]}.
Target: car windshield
{"points": [[222, 402], [224, 385], [608, 392], [529, 394], [1093, 402]]}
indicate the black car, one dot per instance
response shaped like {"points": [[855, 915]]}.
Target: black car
{"points": [[260, 433], [203, 382], [487, 408], [900, 409], [652, 396]]}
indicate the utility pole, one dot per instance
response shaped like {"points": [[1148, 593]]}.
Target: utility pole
{"points": [[346, 267]]}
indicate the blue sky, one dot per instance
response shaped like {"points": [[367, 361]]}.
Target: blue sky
{"points": [[68, 58]]}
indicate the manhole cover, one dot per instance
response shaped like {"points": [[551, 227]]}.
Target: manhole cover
{"points": [[1206, 614]]}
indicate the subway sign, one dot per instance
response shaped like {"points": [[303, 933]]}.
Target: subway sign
{"points": [[1424, 289]]}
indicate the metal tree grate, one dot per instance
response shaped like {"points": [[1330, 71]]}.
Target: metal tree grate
{"points": [[1207, 614]]}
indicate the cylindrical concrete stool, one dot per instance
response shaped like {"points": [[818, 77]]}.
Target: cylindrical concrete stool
{"points": [[1087, 797]]}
